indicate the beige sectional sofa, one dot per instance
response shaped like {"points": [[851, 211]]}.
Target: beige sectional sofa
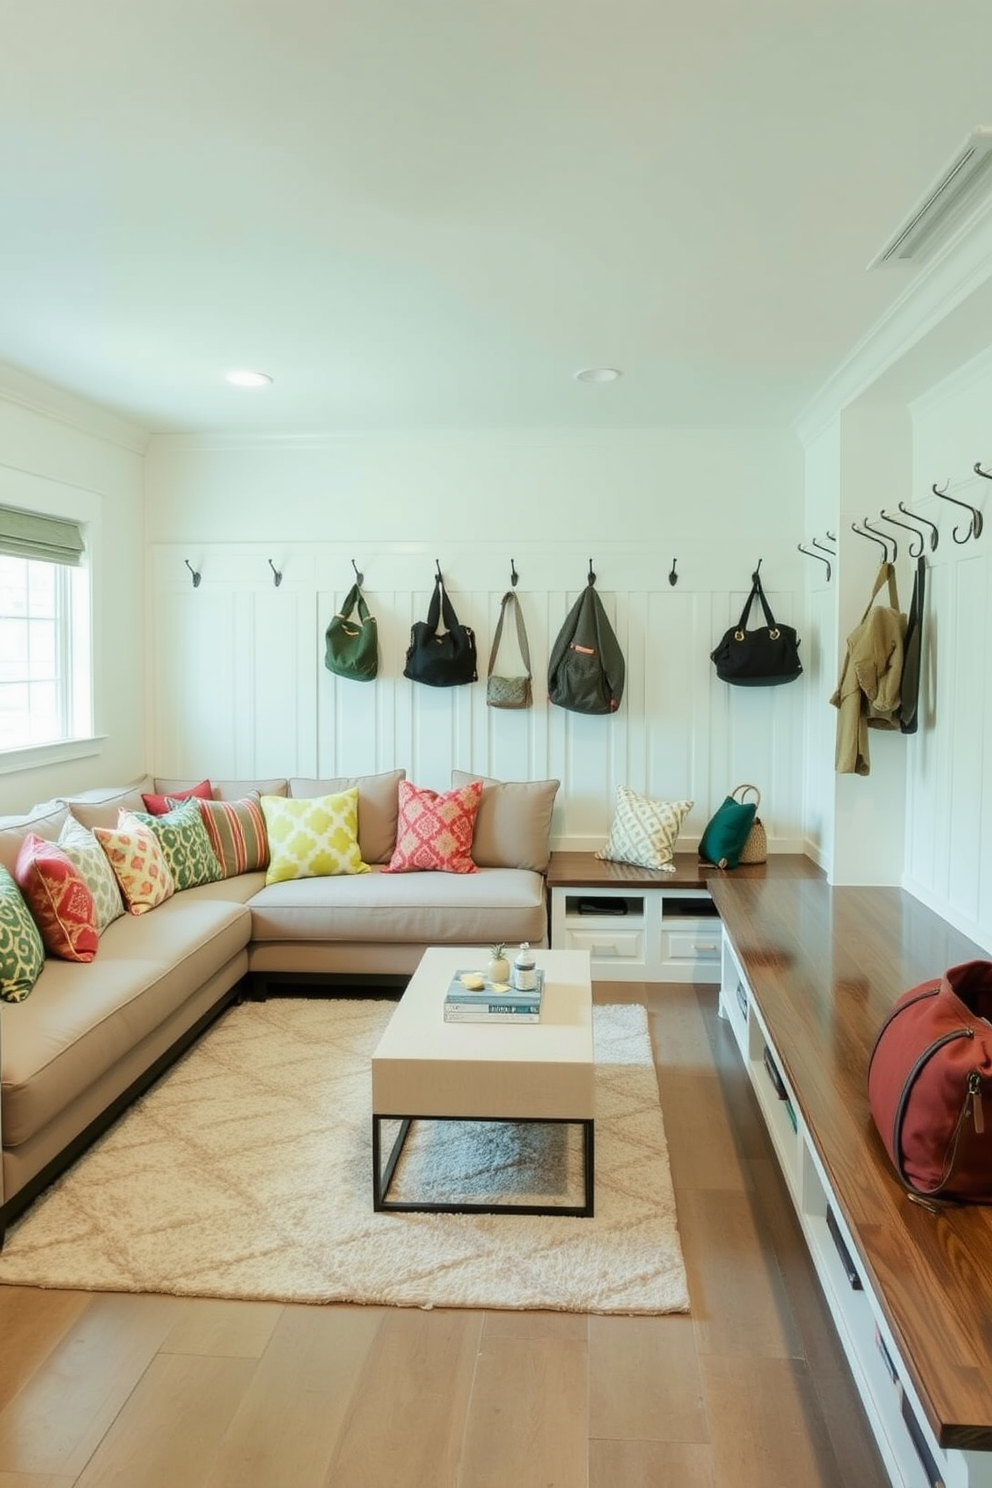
{"points": [[91, 1035]]}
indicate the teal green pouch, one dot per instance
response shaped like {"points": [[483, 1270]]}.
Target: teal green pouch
{"points": [[726, 833]]}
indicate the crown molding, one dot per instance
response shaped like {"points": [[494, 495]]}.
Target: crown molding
{"points": [[37, 396], [961, 268]]}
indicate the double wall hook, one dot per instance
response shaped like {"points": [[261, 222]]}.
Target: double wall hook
{"points": [[437, 565], [196, 576], [933, 534], [883, 543], [359, 576], [885, 538], [974, 527], [673, 577], [592, 577], [913, 552], [514, 576], [823, 547], [810, 554], [276, 575]]}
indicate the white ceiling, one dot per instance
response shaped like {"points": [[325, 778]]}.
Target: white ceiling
{"points": [[431, 213]]}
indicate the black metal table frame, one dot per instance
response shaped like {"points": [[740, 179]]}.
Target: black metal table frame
{"points": [[383, 1177]]}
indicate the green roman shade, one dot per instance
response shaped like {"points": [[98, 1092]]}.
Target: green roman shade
{"points": [[29, 535]]}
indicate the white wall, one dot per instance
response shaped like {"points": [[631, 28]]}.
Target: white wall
{"points": [[58, 455], [239, 686]]}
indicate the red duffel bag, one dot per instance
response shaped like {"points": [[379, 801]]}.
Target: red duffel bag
{"points": [[928, 1076]]}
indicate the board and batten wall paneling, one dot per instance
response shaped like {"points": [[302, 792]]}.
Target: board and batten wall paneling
{"points": [[240, 689]]}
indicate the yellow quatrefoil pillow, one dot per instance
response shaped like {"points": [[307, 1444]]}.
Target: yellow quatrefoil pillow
{"points": [[312, 837]]}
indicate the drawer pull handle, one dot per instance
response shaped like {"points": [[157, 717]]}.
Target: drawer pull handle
{"points": [[604, 950], [704, 945]]}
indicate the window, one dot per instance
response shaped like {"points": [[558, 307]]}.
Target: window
{"points": [[44, 632]]}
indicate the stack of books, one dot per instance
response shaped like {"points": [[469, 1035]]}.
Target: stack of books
{"points": [[492, 1003]]}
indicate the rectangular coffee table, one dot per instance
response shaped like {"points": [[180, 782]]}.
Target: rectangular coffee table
{"points": [[426, 1069]]}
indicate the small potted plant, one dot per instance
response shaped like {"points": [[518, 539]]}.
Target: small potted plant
{"points": [[499, 966]]}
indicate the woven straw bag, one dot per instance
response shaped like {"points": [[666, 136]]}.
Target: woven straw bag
{"points": [[755, 849]]}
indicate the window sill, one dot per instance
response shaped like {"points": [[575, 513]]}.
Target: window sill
{"points": [[36, 756]]}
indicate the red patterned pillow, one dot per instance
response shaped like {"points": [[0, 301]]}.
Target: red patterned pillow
{"points": [[434, 831], [161, 805], [58, 898]]}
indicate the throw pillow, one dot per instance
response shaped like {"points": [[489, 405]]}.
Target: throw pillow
{"points": [[159, 805], [82, 848], [726, 833], [138, 862], [513, 827], [644, 830], [434, 832], [56, 894], [184, 843], [237, 834], [22, 955], [312, 838]]}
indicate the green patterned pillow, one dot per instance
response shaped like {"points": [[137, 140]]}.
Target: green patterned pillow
{"points": [[22, 955], [184, 842], [312, 837], [82, 848]]}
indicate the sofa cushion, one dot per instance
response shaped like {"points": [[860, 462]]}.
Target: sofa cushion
{"points": [[410, 908], [59, 900], [83, 1019], [434, 830], [644, 830], [82, 848], [237, 833], [184, 842], [158, 805], [378, 808], [312, 838], [100, 807], [138, 862], [513, 825], [22, 955], [226, 790], [44, 821]]}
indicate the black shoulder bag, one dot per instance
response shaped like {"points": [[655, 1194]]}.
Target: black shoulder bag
{"points": [[765, 657], [447, 659]]}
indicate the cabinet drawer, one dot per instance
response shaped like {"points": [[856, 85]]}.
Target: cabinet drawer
{"points": [[607, 943], [692, 943]]}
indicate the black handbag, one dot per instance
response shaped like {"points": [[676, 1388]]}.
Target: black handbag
{"points": [[765, 657], [441, 660], [352, 647], [509, 692]]}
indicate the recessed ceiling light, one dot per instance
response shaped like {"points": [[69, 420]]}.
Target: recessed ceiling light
{"points": [[598, 374], [249, 379]]}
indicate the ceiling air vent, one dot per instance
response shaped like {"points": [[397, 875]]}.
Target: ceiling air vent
{"points": [[943, 206]]}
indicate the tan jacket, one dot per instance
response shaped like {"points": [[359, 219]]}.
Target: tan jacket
{"points": [[869, 691]]}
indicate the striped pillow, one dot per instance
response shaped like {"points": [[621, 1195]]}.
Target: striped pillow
{"points": [[237, 833]]}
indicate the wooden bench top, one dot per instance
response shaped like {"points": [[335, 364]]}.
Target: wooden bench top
{"points": [[825, 966], [583, 870]]}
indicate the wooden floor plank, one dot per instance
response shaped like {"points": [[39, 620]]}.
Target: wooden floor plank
{"points": [[169, 1429], [288, 1423], [644, 1381], [32, 1323], [527, 1423], [408, 1415], [649, 1464], [210, 1325], [702, 1144], [33, 1480], [766, 1428]]}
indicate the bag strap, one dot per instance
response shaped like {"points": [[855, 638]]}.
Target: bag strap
{"points": [[510, 598], [886, 572], [353, 597], [756, 593], [742, 790]]}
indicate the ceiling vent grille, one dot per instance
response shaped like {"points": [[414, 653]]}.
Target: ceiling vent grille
{"points": [[945, 203]]}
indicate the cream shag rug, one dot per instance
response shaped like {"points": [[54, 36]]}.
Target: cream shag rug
{"points": [[246, 1172]]}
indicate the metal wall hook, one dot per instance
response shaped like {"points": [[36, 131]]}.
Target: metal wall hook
{"points": [[437, 565], [276, 575], [359, 576], [974, 528], [196, 576], [882, 543], [985, 474], [592, 577], [673, 577], [933, 534], [895, 546], [913, 552], [823, 547], [514, 576], [810, 554]]}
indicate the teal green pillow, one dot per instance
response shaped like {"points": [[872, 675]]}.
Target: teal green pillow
{"points": [[726, 833], [185, 845], [22, 955]]}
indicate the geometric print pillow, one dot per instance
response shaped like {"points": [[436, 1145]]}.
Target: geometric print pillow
{"points": [[60, 903], [312, 837], [435, 829], [22, 955], [237, 833], [184, 843], [138, 862], [644, 831], [82, 848]]}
